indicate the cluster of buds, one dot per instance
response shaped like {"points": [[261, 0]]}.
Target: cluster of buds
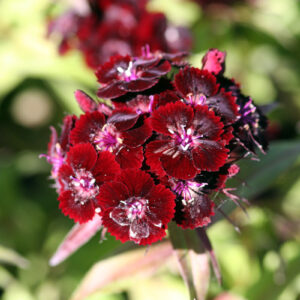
{"points": [[163, 141], [102, 28]]}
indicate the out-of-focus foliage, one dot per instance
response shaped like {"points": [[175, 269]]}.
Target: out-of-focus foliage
{"points": [[36, 89]]}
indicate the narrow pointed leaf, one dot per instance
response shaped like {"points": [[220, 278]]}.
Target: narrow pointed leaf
{"points": [[11, 257], [123, 266], [78, 236]]}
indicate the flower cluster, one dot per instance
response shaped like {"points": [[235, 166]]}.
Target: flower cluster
{"points": [[166, 140], [103, 28]]}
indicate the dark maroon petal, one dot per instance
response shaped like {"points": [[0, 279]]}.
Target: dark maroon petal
{"points": [[162, 203], [123, 119], [172, 117], [138, 182], [207, 124], [157, 71], [111, 193], [86, 103], [130, 157], [87, 127], [111, 91], [109, 71], [138, 85], [195, 82], [227, 135], [196, 213], [178, 164], [224, 104], [214, 61], [138, 136], [82, 156], [141, 104], [65, 176], [209, 155], [153, 153], [75, 210], [68, 125], [164, 98], [106, 167]]}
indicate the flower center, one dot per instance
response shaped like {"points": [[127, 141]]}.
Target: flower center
{"points": [[127, 74], [184, 138], [136, 208], [84, 186], [108, 139], [187, 190], [198, 99]]}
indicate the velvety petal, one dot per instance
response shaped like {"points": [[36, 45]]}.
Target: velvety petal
{"points": [[171, 118], [123, 119], [157, 71], [161, 204], [138, 85], [65, 176], [111, 193], [138, 182], [195, 82], [209, 155], [178, 164], [106, 167], [111, 91], [224, 105], [153, 153], [214, 61], [207, 124], [87, 127], [164, 98], [227, 135], [82, 156], [138, 136], [195, 213], [75, 210], [68, 125], [86, 103], [130, 157], [109, 71]]}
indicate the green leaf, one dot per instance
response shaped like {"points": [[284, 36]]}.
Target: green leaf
{"points": [[258, 176], [11, 257]]}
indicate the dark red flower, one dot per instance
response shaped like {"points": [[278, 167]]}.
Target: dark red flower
{"points": [[80, 178], [199, 87], [123, 74], [134, 208], [117, 135], [191, 141]]}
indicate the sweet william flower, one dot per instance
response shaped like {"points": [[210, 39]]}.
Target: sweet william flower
{"points": [[134, 208], [124, 74], [80, 178], [117, 134], [191, 141]]}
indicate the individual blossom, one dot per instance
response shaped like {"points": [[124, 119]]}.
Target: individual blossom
{"points": [[191, 140], [81, 177], [124, 74], [118, 134], [134, 208], [199, 87]]}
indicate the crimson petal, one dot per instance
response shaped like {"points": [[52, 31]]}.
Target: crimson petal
{"points": [[86, 103], [209, 155], [130, 157], [75, 210], [136, 137]]}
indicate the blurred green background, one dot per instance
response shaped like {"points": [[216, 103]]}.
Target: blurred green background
{"points": [[262, 41]]}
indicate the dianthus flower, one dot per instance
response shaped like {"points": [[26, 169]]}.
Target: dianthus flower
{"points": [[80, 178], [160, 148], [104, 28]]}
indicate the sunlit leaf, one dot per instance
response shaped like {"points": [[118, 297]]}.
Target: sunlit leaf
{"points": [[78, 236], [11, 257], [123, 266]]}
